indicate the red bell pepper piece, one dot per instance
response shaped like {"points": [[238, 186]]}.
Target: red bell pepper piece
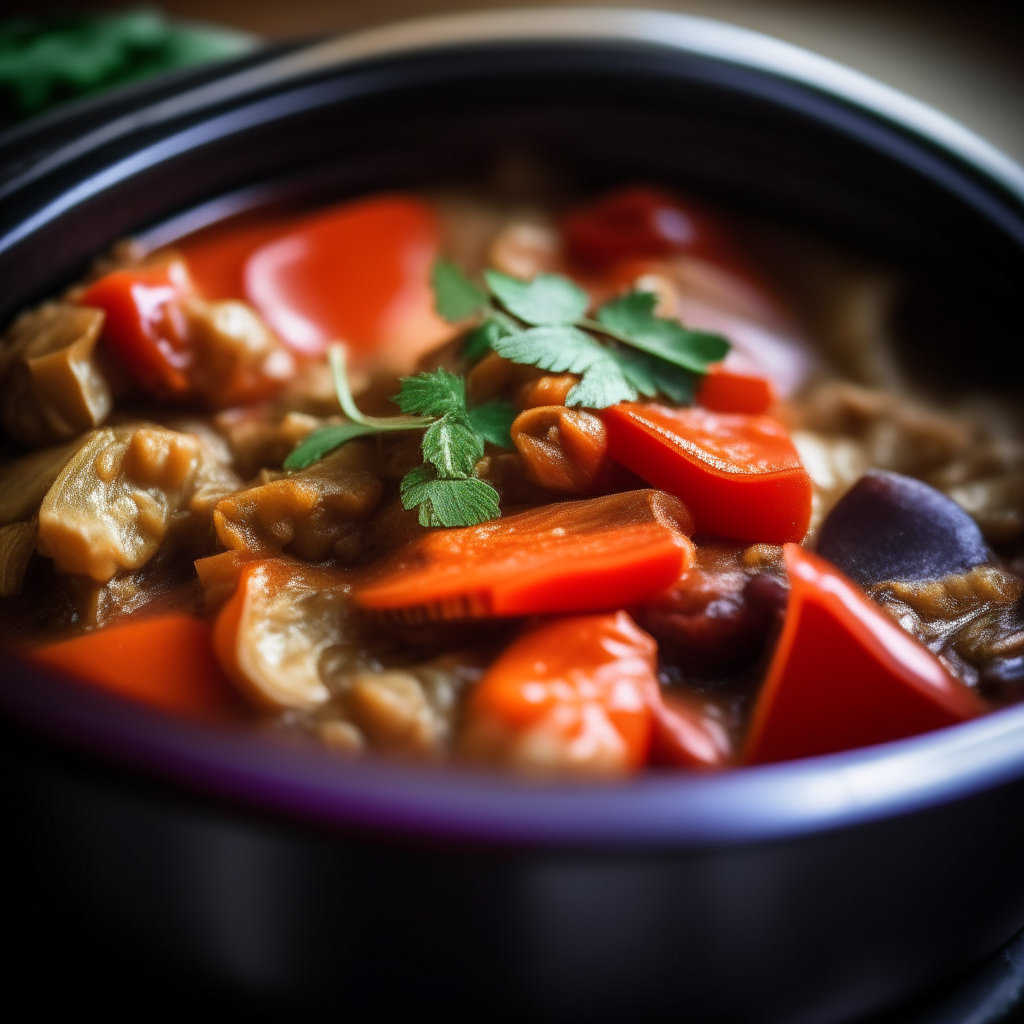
{"points": [[358, 273], [166, 662], [635, 223], [574, 556], [844, 675], [570, 695], [739, 475], [724, 390], [141, 327]]}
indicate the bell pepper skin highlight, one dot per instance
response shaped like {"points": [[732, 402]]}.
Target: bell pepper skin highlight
{"points": [[568, 696], [357, 273], [166, 662], [844, 675], [574, 556], [739, 475]]}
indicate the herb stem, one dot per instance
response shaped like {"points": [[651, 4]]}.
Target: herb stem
{"points": [[337, 356]]}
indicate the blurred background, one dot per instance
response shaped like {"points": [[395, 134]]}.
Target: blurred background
{"points": [[965, 58]]}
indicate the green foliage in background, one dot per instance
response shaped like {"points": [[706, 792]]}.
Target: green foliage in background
{"points": [[49, 60]]}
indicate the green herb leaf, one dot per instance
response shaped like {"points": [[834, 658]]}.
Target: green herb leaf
{"points": [[435, 393], [481, 340], [452, 447], [455, 296], [652, 376], [547, 300], [463, 502], [631, 319], [316, 445], [493, 422], [569, 350]]}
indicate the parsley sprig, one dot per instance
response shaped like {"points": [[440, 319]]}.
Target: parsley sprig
{"points": [[623, 352], [445, 489]]}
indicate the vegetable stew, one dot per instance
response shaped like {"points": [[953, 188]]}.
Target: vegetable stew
{"points": [[582, 490]]}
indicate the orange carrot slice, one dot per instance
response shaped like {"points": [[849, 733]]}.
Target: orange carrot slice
{"points": [[166, 662], [573, 556]]}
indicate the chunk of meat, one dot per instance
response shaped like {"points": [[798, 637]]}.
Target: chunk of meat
{"points": [[712, 624], [25, 481], [569, 697], [52, 385], [311, 514], [118, 497]]}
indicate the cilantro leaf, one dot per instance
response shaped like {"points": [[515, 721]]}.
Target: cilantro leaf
{"points": [[453, 447], [481, 340], [493, 422], [569, 350], [547, 300], [652, 376], [455, 296], [631, 319], [434, 393], [463, 502], [316, 445]]}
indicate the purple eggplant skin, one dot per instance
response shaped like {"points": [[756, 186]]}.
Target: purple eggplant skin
{"points": [[893, 527]]}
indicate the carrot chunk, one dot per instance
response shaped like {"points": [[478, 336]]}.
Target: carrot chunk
{"points": [[844, 675], [573, 556], [166, 662], [739, 475], [569, 696], [726, 391]]}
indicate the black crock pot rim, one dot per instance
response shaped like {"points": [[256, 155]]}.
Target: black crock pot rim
{"points": [[746, 804]]}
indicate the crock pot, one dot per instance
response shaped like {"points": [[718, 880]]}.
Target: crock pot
{"points": [[293, 883]]}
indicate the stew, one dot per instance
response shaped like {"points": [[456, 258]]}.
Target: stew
{"points": [[577, 493]]}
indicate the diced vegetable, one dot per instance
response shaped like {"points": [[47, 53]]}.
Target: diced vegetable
{"points": [[893, 527], [51, 385], [144, 326], [311, 513], [723, 390], [117, 497], [358, 273], [739, 475], [686, 733], [845, 675], [562, 449], [570, 696], [572, 556], [271, 636], [166, 662], [637, 222]]}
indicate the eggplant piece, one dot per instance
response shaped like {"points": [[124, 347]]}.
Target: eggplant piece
{"points": [[893, 527]]}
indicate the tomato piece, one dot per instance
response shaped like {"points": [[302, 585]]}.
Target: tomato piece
{"points": [[570, 695], [572, 556], [686, 734], [724, 390], [358, 273], [635, 223], [141, 324], [738, 474], [845, 675], [166, 662]]}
